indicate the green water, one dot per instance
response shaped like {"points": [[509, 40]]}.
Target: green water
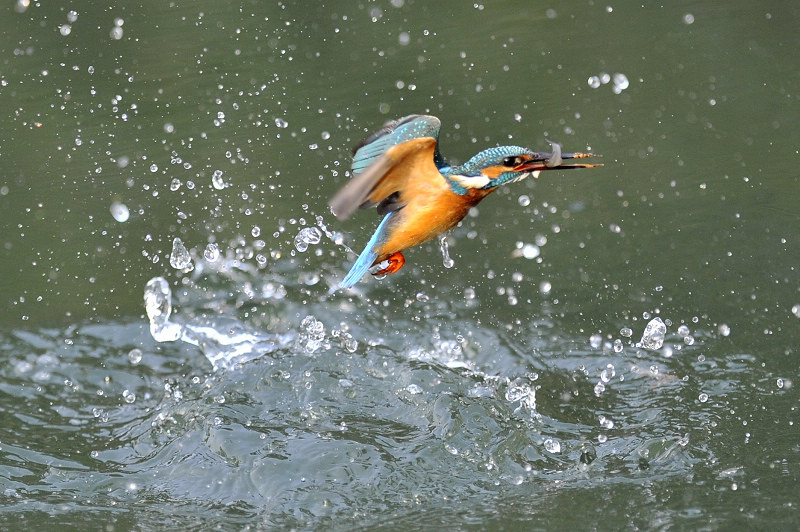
{"points": [[457, 398]]}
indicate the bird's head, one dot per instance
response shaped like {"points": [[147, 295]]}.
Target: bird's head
{"points": [[508, 164]]}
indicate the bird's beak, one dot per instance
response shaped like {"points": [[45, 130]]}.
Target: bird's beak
{"points": [[555, 160]]}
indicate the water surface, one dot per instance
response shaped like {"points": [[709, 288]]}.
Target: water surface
{"points": [[512, 390]]}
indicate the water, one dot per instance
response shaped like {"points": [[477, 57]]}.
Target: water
{"points": [[173, 356]]}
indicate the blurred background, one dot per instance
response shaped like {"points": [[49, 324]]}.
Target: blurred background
{"points": [[505, 391]]}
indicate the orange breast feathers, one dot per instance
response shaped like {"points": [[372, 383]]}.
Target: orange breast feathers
{"points": [[432, 209]]}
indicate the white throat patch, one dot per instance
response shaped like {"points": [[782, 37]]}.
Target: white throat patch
{"points": [[478, 181]]}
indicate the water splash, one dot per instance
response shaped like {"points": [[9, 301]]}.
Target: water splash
{"points": [[335, 237], [225, 342], [306, 237], [312, 335], [447, 262], [158, 305]]}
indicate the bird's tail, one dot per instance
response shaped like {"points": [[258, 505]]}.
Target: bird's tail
{"points": [[368, 256]]}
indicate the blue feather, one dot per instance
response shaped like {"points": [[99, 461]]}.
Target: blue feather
{"points": [[368, 256]]}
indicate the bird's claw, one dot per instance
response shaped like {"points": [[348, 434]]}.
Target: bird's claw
{"points": [[391, 265]]}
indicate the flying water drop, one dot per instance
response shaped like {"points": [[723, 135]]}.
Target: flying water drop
{"points": [[211, 253], [179, 258], [443, 247], [653, 336], [120, 211]]}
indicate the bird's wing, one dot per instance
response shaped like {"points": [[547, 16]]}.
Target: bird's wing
{"points": [[384, 162], [391, 134]]}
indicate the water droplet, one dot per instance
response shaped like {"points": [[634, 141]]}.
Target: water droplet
{"points": [[545, 287], [413, 389], [120, 212], [620, 83], [552, 446], [524, 200], [135, 356], [627, 332], [350, 344], [608, 373], [606, 423], [211, 253], [724, 329], [599, 388], [179, 258], [217, 181], [653, 336], [528, 251], [447, 262], [128, 396], [703, 397], [517, 393], [595, 341]]}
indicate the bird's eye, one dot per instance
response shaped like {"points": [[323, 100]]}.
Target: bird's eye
{"points": [[511, 161]]}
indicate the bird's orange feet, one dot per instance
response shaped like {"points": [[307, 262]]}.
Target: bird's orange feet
{"points": [[391, 265]]}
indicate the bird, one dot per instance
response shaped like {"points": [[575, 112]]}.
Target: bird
{"points": [[399, 170]]}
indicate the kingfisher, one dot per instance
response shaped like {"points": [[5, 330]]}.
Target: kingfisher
{"points": [[398, 169]]}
